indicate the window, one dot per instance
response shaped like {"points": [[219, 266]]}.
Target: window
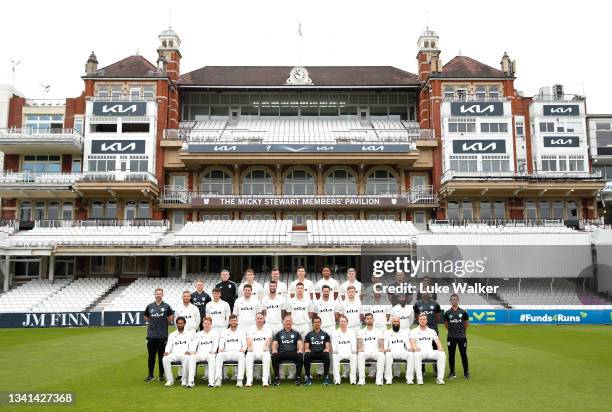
{"points": [[148, 91], [67, 211], [130, 210], [419, 218], [299, 219], [104, 128], [299, 182], [101, 163], [44, 123], [39, 210], [494, 127], [576, 163], [466, 210], [144, 210], [452, 211], [25, 212], [207, 217], [462, 126], [26, 266], [178, 220], [549, 163], [257, 182], [64, 266], [340, 182], [42, 163], [134, 264], [520, 129], [544, 210], [480, 93], [79, 125], [135, 127], [547, 127], [102, 264], [116, 91], [53, 211], [76, 165], [381, 182], [557, 210], [464, 163], [461, 94], [494, 92], [103, 91], [499, 210], [103, 210], [492, 210], [486, 211], [449, 93], [216, 182], [572, 211], [139, 163], [495, 163], [531, 210], [418, 180]]}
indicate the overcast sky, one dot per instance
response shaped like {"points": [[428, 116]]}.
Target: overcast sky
{"points": [[552, 41]]}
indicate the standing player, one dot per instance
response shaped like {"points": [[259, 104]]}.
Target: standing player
{"points": [[317, 346], [404, 312], [256, 288], [351, 274], [246, 307], [158, 314], [344, 344], [258, 348], [327, 280], [274, 307], [203, 348], [421, 341], [200, 299], [350, 307], [325, 307], [397, 346], [456, 321], [301, 309], [231, 348], [177, 349], [287, 345], [370, 345], [229, 292], [189, 312], [219, 311], [307, 283], [281, 287]]}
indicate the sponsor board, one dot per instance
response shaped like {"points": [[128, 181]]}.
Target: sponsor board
{"points": [[559, 317], [479, 146], [299, 148], [477, 108], [126, 318], [561, 141], [561, 110], [117, 146], [119, 108], [50, 320]]}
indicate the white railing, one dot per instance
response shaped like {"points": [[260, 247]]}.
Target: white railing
{"points": [[452, 174], [562, 98], [43, 178], [422, 194], [122, 98], [115, 176], [29, 133], [101, 223], [474, 98]]}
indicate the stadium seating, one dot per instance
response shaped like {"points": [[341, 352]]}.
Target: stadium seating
{"points": [[544, 293], [360, 232], [24, 297], [235, 233], [498, 227], [141, 292], [77, 296]]}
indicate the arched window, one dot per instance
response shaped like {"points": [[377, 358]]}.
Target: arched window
{"points": [[381, 182], [67, 213], [144, 210], [130, 210], [97, 210], [53, 211], [111, 209], [39, 211], [257, 182], [25, 211], [340, 182], [216, 182], [299, 182]]}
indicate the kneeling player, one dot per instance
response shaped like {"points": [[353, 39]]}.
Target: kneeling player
{"points": [[177, 349], [370, 345], [345, 348], [231, 348], [421, 340], [317, 346], [203, 349], [397, 346], [258, 348]]}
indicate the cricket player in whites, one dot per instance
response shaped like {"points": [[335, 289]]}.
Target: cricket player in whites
{"points": [[177, 349], [344, 345], [421, 339], [258, 348], [370, 345], [231, 348], [397, 346], [203, 348], [189, 312]]}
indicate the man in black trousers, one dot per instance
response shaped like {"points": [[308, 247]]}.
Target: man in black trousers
{"points": [[287, 346], [159, 315], [317, 346], [456, 321]]}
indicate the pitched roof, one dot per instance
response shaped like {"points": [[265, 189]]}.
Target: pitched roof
{"points": [[276, 76], [466, 67], [132, 66]]}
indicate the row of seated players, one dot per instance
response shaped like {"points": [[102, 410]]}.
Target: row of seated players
{"points": [[288, 345]]}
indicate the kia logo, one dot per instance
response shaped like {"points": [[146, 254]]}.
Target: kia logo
{"points": [[225, 148], [477, 109], [118, 147], [119, 108], [372, 148], [478, 147]]}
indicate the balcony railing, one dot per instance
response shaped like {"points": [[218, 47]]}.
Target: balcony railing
{"points": [[561, 98], [452, 175], [498, 222], [416, 195], [122, 98], [474, 98], [29, 133], [114, 176], [101, 223], [42, 178]]}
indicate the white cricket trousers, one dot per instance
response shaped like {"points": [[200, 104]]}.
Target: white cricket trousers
{"points": [[352, 358], [234, 356], [436, 355], [275, 328], [265, 359], [403, 355], [302, 329], [379, 357], [175, 357], [210, 359]]}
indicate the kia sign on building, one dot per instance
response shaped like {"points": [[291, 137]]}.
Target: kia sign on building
{"points": [[117, 146], [561, 110], [561, 141], [123, 109], [479, 146], [477, 108]]}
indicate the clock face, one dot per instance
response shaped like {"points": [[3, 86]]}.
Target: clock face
{"points": [[299, 73]]}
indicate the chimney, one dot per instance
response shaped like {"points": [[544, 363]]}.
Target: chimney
{"points": [[91, 67], [507, 65]]}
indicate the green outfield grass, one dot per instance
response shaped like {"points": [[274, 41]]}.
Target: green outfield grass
{"points": [[513, 368]]}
